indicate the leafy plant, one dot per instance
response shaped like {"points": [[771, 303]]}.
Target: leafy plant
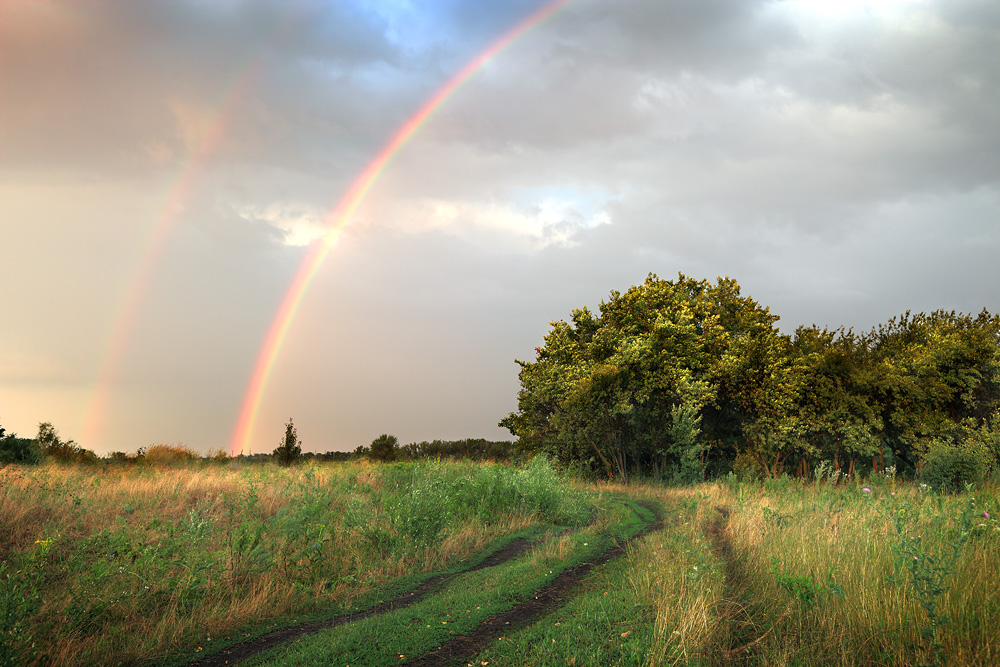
{"points": [[949, 466], [804, 588], [927, 572], [384, 448], [19, 599]]}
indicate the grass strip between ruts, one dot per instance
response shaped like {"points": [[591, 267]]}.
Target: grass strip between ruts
{"points": [[467, 601], [632, 611]]}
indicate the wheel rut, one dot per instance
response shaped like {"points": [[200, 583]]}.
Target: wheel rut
{"points": [[740, 628], [244, 650], [546, 599]]}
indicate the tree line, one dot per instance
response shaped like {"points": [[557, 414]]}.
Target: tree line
{"points": [[49, 445], [683, 379]]}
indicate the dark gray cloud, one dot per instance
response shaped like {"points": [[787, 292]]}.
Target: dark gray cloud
{"points": [[839, 160]]}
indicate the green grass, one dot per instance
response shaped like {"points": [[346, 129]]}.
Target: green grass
{"points": [[458, 609], [125, 566], [842, 539], [140, 565]]}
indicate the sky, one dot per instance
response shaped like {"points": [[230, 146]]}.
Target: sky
{"points": [[166, 168]]}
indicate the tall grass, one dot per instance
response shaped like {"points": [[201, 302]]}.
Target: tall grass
{"points": [[785, 573], [122, 565], [828, 581]]}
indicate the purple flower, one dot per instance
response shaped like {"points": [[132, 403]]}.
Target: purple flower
{"points": [[986, 515], [866, 490]]}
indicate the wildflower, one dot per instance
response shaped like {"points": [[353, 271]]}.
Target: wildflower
{"points": [[986, 515], [866, 490]]}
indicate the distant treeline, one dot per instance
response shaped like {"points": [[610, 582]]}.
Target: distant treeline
{"points": [[689, 379], [475, 449], [48, 445]]}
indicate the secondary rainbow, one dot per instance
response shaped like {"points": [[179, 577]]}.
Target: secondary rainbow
{"points": [[177, 197], [340, 216]]}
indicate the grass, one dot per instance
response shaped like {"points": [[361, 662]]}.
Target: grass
{"points": [[146, 564], [127, 566], [653, 607], [461, 607]]}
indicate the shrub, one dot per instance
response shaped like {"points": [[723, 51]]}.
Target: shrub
{"points": [[51, 445], [290, 449], [18, 450], [384, 448], [167, 455], [220, 456], [746, 468], [949, 466]]}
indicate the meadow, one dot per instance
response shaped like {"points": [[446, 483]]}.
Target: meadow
{"points": [[168, 565]]}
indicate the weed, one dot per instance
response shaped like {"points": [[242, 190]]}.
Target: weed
{"points": [[927, 571], [19, 601], [804, 588]]}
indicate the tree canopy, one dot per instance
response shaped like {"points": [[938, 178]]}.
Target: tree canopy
{"points": [[685, 377]]}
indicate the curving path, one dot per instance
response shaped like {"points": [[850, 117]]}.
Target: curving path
{"points": [[551, 596]]}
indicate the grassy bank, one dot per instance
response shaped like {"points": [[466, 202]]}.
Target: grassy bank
{"points": [[124, 566]]}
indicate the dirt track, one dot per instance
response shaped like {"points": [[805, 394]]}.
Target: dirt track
{"points": [[545, 599], [239, 652]]}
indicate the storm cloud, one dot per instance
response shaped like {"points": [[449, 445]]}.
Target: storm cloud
{"points": [[841, 161]]}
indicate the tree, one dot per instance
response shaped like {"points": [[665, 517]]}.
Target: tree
{"points": [[835, 411], [932, 372], [384, 448], [290, 448], [606, 389], [17, 450], [66, 451]]}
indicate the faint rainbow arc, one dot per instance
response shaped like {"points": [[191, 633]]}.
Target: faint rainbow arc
{"points": [[177, 197], [340, 216]]}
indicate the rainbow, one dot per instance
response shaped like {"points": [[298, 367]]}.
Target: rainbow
{"points": [[340, 216], [177, 197]]}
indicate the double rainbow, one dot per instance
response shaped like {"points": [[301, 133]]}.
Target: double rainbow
{"points": [[340, 216]]}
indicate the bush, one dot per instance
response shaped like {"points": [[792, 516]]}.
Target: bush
{"points": [[167, 455], [18, 450], [290, 449], [220, 456], [746, 468], [384, 448], [52, 446], [949, 466]]}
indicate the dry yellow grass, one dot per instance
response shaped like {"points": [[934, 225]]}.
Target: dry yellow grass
{"points": [[137, 560]]}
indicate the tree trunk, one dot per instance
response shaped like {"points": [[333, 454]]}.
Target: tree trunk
{"points": [[777, 464]]}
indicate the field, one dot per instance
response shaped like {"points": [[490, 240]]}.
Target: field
{"points": [[461, 563]]}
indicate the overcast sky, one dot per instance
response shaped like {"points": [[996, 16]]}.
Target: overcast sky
{"points": [[841, 160]]}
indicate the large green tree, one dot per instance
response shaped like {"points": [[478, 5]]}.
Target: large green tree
{"points": [[932, 372], [679, 377], [626, 389], [837, 417]]}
